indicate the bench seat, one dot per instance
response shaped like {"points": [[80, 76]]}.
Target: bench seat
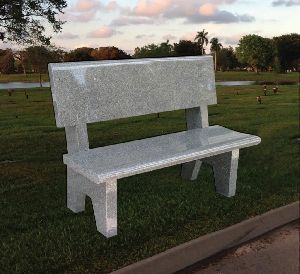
{"points": [[126, 159]]}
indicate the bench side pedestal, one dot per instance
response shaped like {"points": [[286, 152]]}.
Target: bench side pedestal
{"points": [[224, 165], [77, 140], [195, 118], [104, 199], [103, 196], [75, 196], [225, 168]]}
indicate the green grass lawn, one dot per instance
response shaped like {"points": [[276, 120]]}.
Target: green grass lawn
{"points": [[156, 210], [32, 77], [252, 76], [224, 76]]}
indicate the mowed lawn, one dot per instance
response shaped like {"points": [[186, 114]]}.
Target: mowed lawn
{"points": [[252, 76], [29, 77], [156, 210], [221, 76]]}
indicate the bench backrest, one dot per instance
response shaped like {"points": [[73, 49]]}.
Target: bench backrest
{"points": [[86, 92]]}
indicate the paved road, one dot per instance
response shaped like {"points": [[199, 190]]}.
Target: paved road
{"points": [[275, 253]]}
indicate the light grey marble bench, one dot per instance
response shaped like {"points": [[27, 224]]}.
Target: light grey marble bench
{"points": [[88, 92]]}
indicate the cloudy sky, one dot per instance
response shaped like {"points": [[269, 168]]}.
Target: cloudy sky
{"points": [[131, 23]]}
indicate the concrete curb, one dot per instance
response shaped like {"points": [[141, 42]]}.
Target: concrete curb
{"points": [[186, 254]]}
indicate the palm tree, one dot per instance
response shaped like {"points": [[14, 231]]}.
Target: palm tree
{"points": [[201, 39], [215, 47]]}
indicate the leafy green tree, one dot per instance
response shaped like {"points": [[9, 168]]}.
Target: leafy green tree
{"points": [[201, 39], [186, 48], [255, 51], [109, 53], [227, 59], [2, 52], [164, 49], [79, 54], [40, 56], [7, 62], [215, 47], [167, 49], [22, 61], [152, 51], [287, 51], [23, 21]]}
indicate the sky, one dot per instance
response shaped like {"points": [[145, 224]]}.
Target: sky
{"points": [[128, 24]]}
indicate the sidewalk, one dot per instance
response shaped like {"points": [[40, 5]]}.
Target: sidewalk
{"points": [[276, 252], [199, 255]]}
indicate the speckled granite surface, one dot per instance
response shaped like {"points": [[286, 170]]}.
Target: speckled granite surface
{"points": [[85, 92], [127, 159]]}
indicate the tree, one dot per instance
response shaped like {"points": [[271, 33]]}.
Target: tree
{"points": [[7, 62], [108, 53], [39, 57], [186, 48], [255, 51], [227, 59], [79, 54], [22, 60], [161, 50], [201, 39], [215, 47], [287, 51], [23, 21]]}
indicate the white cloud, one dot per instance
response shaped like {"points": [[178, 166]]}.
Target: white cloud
{"points": [[231, 40], [90, 5], [67, 35], [81, 17], [102, 32], [189, 36], [87, 10], [220, 17], [287, 3], [86, 5], [144, 36], [151, 8], [193, 11], [126, 20], [207, 9], [112, 6], [169, 37], [157, 11]]}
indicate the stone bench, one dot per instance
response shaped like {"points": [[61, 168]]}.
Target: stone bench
{"points": [[87, 92]]}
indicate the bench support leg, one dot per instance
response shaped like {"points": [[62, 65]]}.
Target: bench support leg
{"points": [[225, 172], [104, 199], [103, 196], [195, 118], [190, 170], [75, 195]]}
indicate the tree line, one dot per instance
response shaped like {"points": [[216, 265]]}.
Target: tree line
{"points": [[35, 59], [257, 53]]}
